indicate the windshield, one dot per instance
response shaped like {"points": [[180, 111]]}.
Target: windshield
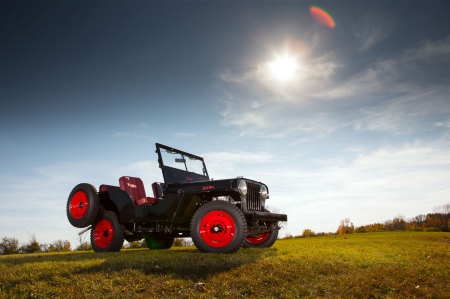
{"points": [[182, 162]]}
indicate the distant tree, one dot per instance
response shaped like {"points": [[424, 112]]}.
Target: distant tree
{"points": [[398, 223], [178, 242], [60, 245], [308, 233], [32, 246], [84, 246], [45, 247], [345, 227], [136, 244], [9, 246], [419, 219], [443, 212], [434, 222]]}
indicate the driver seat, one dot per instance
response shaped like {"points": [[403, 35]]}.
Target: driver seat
{"points": [[135, 188]]}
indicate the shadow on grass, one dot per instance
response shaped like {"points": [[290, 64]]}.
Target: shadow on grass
{"points": [[186, 263], [178, 262]]}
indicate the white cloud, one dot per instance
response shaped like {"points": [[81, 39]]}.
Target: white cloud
{"points": [[393, 95], [36, 203], [372, 187], [443, 124]]}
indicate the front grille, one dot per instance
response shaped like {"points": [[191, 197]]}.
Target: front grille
{"points": [[253, 199]]}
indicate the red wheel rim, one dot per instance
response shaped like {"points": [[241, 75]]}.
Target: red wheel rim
{"points": [[78, 205], [103, 233], [217, 229], [259, 238]]}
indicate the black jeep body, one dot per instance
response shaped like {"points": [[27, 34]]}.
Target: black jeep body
{"points": [[219, 215]]}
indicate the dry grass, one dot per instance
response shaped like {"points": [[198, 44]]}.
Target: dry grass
{"points": [[378, 265]]}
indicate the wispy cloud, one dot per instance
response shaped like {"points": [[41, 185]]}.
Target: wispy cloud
{"points": [[372, 31], [394, 95], [445, 124]]}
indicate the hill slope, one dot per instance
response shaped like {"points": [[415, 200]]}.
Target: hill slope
{"points": [[377, 265]]}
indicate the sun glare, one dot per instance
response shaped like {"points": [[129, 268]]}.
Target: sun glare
{"points": [[283, 68]]}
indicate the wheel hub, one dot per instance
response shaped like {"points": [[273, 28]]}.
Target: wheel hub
{"points": [[216, 229]]}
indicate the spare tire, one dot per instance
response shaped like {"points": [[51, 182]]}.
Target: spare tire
{"points": [[83, 205]]}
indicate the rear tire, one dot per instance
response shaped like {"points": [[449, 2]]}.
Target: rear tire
{"points": [[218, 227], [82, 205], [158, 242], [107, 234], [263, 240]]}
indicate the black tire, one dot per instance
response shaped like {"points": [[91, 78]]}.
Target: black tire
{"points": [[264, 240], [158, 242], [218, 227], [107, 234], [82, 205]]}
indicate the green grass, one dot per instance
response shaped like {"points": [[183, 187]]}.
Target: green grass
{"points": [[376, 265]]}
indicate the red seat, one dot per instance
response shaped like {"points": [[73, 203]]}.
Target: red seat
{"points": [[135, 188]]}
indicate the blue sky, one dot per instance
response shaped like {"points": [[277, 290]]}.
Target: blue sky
{"points": [[361, 129]]}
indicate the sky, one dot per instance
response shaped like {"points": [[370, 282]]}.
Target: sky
{"points": [[342, 120]]}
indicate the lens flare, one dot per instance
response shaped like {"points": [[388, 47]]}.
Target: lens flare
{"points": [[322, 17]]}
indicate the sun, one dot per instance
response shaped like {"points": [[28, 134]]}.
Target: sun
{"points": [[283, 68]]}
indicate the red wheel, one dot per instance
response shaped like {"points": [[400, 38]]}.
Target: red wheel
{"points": [[107, 234], [258, 239], [78, 205], [103, 233], [218, 227], [82, 205], [262, 240]]}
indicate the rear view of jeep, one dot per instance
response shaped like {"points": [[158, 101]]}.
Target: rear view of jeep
{"points": [[220, 216]]}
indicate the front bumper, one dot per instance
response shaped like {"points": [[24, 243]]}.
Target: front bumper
{"points": [[265, 216]]}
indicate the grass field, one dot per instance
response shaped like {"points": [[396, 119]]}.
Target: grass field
{"points": [[375, 265]]}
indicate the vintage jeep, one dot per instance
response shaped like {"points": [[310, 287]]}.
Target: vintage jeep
{"points": [[219, 215]]}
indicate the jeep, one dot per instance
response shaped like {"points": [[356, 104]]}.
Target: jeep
{"points": [[220, 216]]}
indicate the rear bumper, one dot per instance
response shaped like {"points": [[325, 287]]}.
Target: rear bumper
{"points": [[266, 216]]}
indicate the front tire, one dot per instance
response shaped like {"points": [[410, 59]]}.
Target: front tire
{"points": [[158, 242], [107, 233], [218, 227], [263, 240], [82, 205]]}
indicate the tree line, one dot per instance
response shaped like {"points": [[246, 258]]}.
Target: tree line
{"points": [[12, 246], [438, 220]]}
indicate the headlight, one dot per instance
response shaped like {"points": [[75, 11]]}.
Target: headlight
{"points": [[242, 187], [263, 193]]}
